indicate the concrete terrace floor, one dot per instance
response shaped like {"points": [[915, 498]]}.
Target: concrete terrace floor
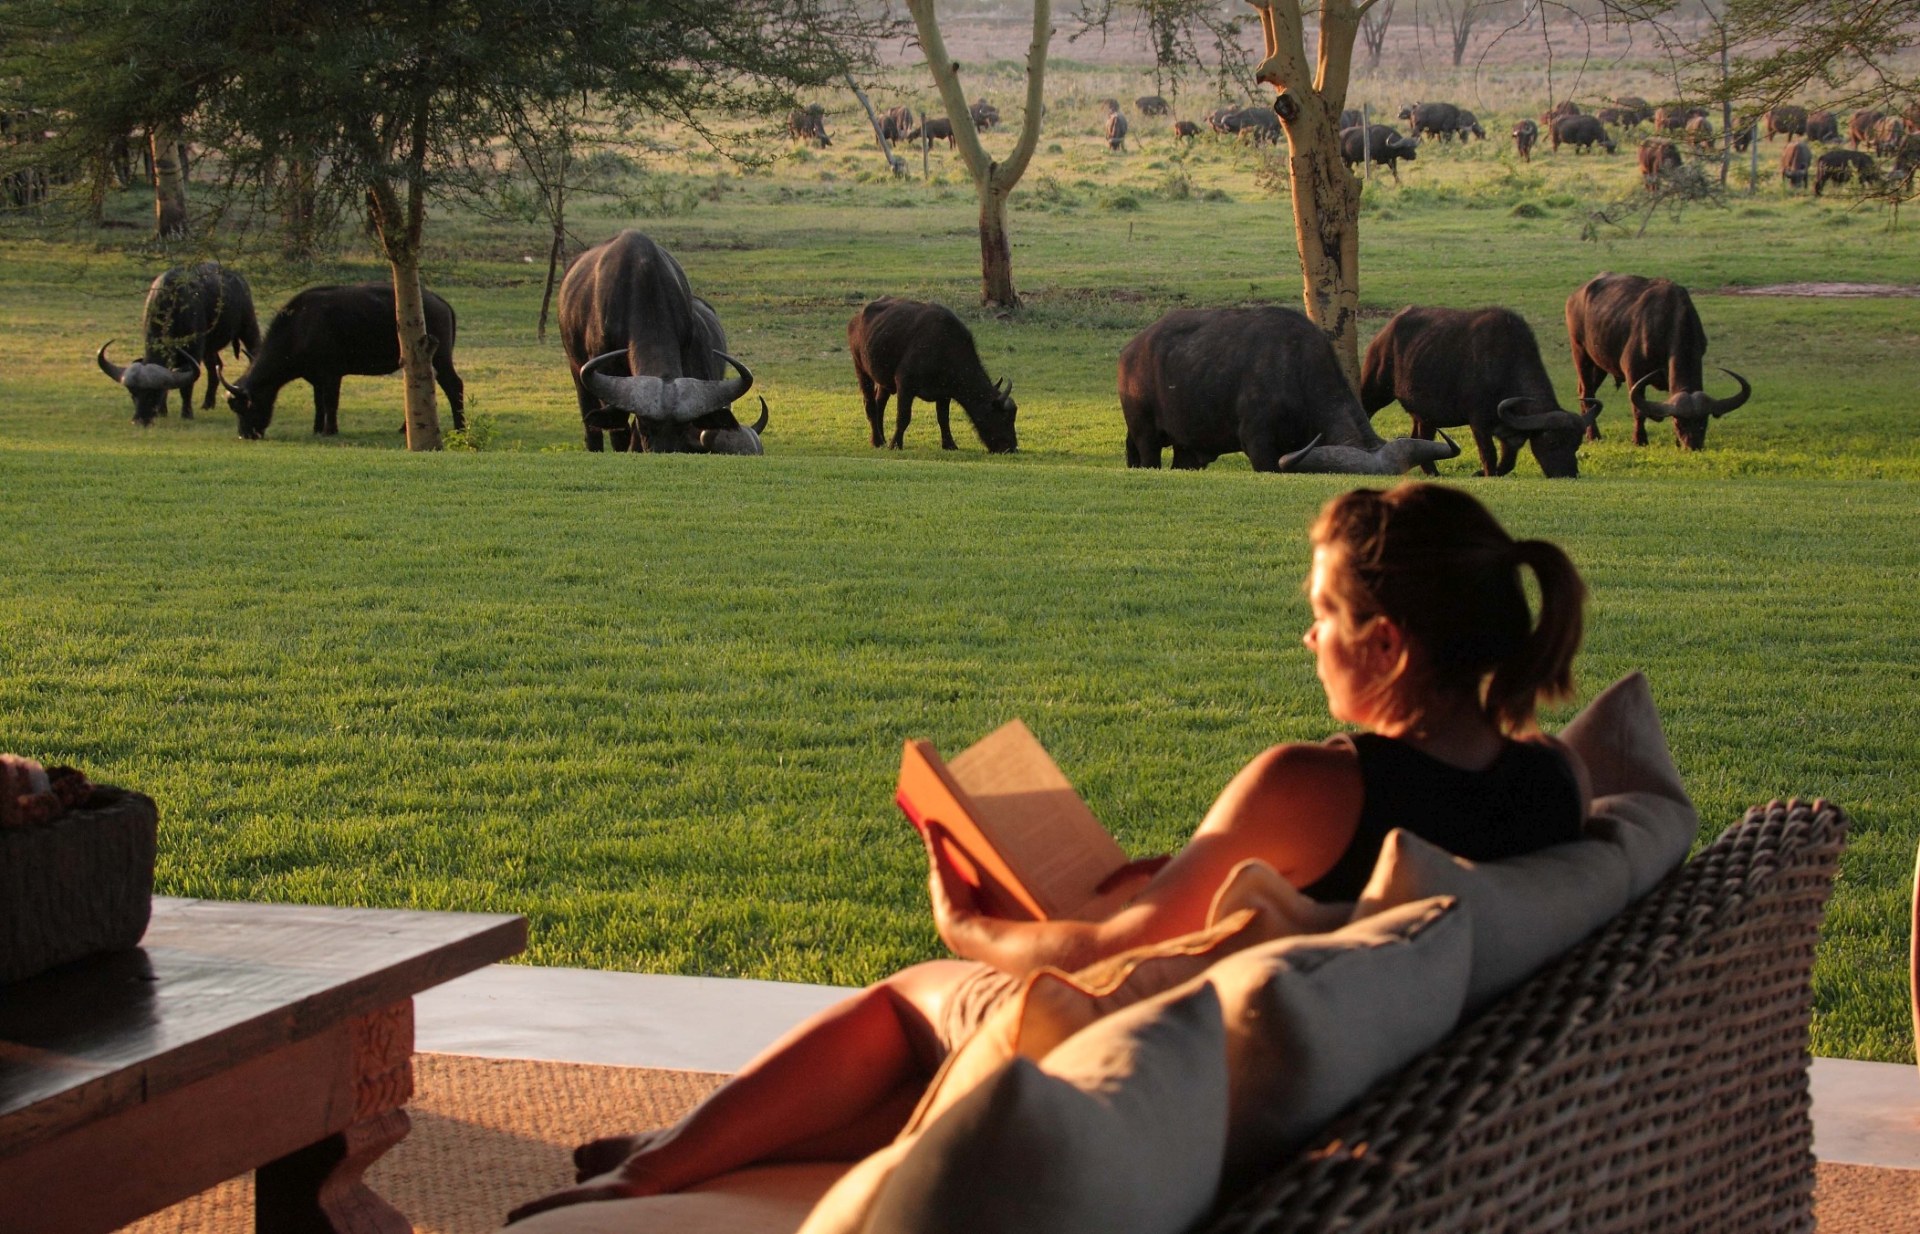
{"points": [[1863, 1113]]}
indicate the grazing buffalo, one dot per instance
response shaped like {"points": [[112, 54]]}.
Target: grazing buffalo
{"points": [[325, 334], [932, 129], [1788, 119], [1256, 123], [192, 312], [1657, 154], [1699, 131], [1889, 134], [1220, 117], [1151, 105], [1116, 131], [1842, 166], [1634, 111], [1525, 134], [1263, 381], [1186, 129], [1673, 118], [809, 124], [1823, 127], [909, 349], [1352, 116], [1469, 126], [1860, 126], [1794, 162], [1645, 332], [895, 122], [1480, 368], [1582, 133], [1438, 119], [1565, 107], [626, 305], [985, 115], [1379, 144]]}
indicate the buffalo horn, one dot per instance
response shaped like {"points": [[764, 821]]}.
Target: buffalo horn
{"points": [[1536, 422], [1721, 406], [1391, 458], [107, 366], [1645, 406], [1592, 408], [760, 425], [678, 400]]}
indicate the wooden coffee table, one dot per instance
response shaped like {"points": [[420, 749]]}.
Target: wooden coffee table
{"points": [[266, 1037]]}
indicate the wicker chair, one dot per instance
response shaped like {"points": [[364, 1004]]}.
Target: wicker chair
{"points": [[1653, 1079]]}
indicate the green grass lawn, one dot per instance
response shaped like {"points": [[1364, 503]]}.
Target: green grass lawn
{"points": [[656, 703]]}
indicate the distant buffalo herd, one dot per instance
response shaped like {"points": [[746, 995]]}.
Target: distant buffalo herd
{"points": [[652, 369]]}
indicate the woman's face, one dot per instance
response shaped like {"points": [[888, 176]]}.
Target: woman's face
{"points": [[1340, 652]]}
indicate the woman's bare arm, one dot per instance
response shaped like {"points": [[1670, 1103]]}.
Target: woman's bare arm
{"points": [[1294, 807]]}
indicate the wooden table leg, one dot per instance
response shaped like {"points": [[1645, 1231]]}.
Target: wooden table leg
{"points": [[319, 1189]]}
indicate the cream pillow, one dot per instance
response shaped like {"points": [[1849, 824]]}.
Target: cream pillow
{"points": [[1256, 886], [1525, 910], [1119, 1130], [766, 1199], [1314, 1021], [1052, 1006], [1639, 803]]}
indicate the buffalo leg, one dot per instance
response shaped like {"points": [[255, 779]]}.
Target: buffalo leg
{"points": [[1589, 377], [1489, 450], [946, 433], [875, 400], [186, 402], [902, 416], [1424, 429], [1143, 452], [213, 371], [326, 406], [454, 388]]}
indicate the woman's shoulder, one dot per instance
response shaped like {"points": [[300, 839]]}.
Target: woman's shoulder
{"points": [[1325, 772], [1548, 751]]}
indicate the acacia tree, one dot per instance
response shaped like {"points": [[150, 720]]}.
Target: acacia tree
{"points": [[993, 181], [1373, 29], [393, 101]]}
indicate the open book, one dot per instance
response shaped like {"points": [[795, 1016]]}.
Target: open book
{"points": [[1021, 831]]}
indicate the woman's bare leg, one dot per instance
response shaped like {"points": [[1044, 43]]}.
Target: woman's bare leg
{"points": [[837, 1086]]}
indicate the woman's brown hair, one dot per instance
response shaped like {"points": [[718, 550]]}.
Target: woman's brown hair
{"points": [[1437, 563]]}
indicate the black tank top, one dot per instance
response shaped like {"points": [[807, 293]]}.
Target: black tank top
{"points": [[1526, 799]]}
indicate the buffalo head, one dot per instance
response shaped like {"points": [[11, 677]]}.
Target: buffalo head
{"points": [[996, 422], [1391, 458], [1690, 410], [147, 382], [675, 404], [1553, 436]]}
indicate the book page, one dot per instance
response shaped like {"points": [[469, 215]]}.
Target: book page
{"points": [[1031, 814]]}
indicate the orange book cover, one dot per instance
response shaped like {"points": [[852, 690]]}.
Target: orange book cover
{"points": [[1020, 829]]}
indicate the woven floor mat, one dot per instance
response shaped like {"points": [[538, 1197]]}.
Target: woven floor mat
{"points": [[488, 1134], [491, 1133]]}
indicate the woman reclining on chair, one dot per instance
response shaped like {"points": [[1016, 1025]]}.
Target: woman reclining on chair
{"points": [[1422, 639]]}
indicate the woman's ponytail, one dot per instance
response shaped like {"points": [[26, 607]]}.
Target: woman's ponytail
{"points": [[1542, 666]]}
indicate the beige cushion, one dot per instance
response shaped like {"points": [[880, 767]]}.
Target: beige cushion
{"points": [[1639, 803], [1053, 1005], [1257, 887], [768, 1199], [1118, 1130], [1313, 1021], [1525, 910]]}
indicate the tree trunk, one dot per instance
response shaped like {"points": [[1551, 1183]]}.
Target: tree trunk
{"points": [[553, 271], [993, 181], [399, 237], [169, 184], [1326, 197], [299, 208]]}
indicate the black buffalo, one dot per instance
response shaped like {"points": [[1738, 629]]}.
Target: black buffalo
{"points": [[1441, 120], [1151, 105], [1480, 368], [1256, 123], [1468, 125], [911, 349], [809, 124], [1823, 126], [1379, 144], [895, 123], [1581, 132], [1186, 129], [1794, 162], [1840, 166], [192, 313], [648, 357], [1657, 154], [1645, 332], [1787, 118], [985, 115], [934, 128], [1263, 381], [1525, 134], [326, 333]]}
